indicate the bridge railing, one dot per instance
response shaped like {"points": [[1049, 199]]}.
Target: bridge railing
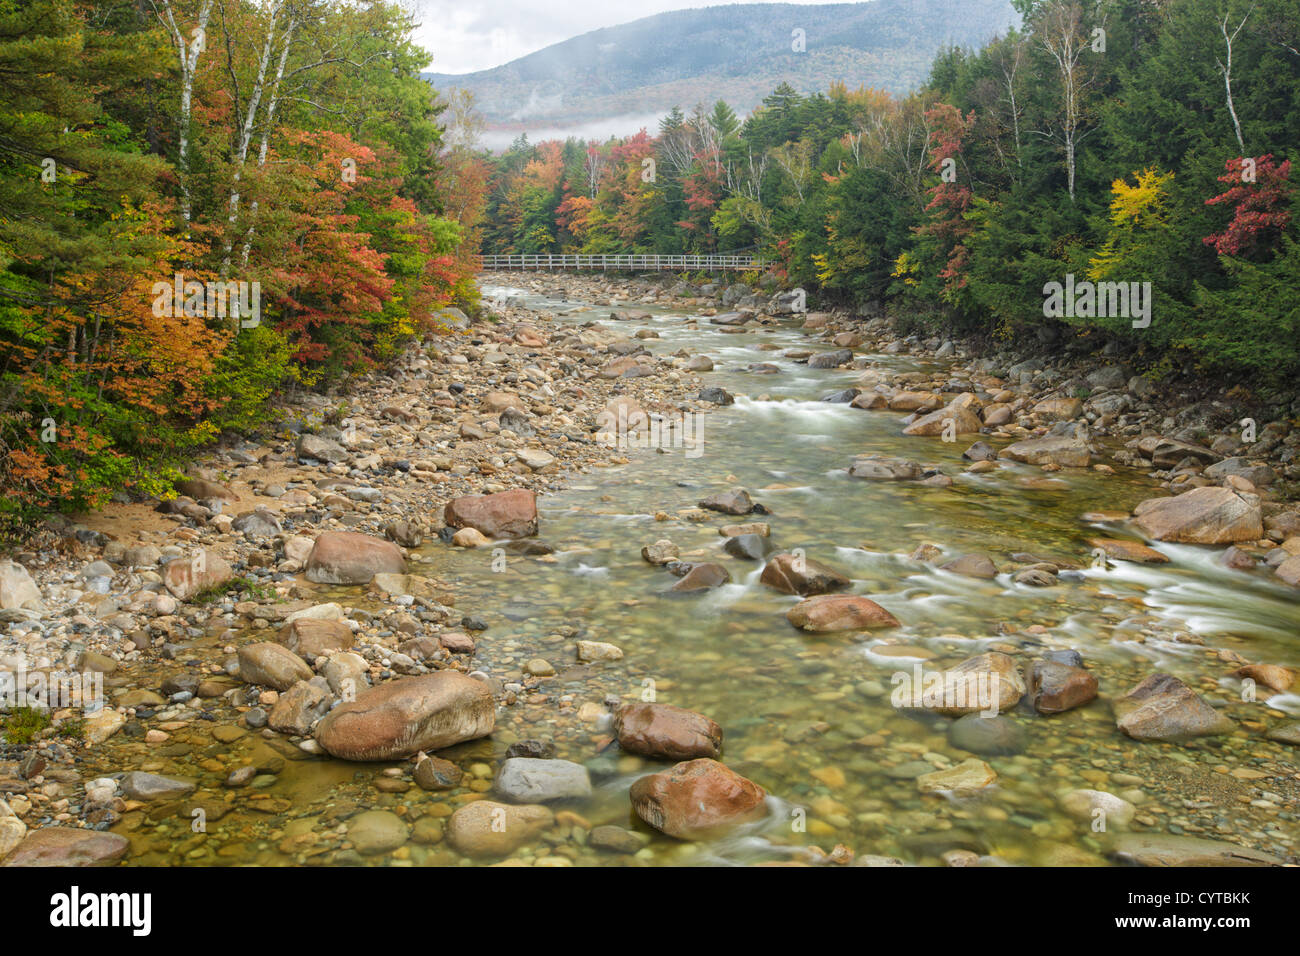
{"points": [[639, 263]]}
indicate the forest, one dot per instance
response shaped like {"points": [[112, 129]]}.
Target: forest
{"points": [[285, 155], [1117, 142]]}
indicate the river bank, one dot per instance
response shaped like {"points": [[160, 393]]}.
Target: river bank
{"points": [[555, 631]]}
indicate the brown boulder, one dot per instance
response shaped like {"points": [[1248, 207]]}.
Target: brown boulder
{"points": [[1050, 450], [311, 638], [702, 577], [68, 846], [201, 488], [1054, 687], [916, 402], [349, 557], [1124, 550], [1208, 515], [1164, 708], [795, 574], [506, 514], [839, 612], [666, 732], [186, 577], [953, 419], [696, 799], [271, 665], [1273, 676], [405, 716], [972, 566]]}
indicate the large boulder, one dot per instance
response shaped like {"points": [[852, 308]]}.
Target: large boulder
{"points": [[272, 665], [405, 716], [1059, 409], [954, 419], [734, 502], [1169, 452], [319, 448], [1202, 516], [17, 589], [666, 732], [988, 683], [298, 708], [885, 468], [1054, 687], [311, 638], [150, 786], [200, 489], [186, 577], [795, 574], [506, 514], [702, 577], [1167, 849], [68, 846], [839, 612], [697, 799], [1164, 708], [1051, 450], [916, 402], [349, 557], [533, 780], [831, 359]]}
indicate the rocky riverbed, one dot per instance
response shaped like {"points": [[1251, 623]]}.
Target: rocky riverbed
{"points": [[640, 573]]}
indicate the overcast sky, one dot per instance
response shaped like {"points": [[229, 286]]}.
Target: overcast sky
{"points": [[469, 35]]}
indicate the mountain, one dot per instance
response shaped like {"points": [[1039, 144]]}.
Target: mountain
{"points": [[640, 70]]}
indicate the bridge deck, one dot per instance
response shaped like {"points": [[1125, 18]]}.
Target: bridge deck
{"points": [[605, 263]]}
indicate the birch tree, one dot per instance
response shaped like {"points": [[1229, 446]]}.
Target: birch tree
{"points": [[1225, 68], [188, 52]]}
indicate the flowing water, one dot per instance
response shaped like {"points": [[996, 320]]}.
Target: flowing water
{"points": [[809, 716]]}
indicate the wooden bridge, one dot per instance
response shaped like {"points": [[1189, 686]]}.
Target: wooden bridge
{"points": [[742, 262]]}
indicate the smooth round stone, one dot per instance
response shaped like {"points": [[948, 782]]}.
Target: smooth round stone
{"points": [[909, 771], [998, 736], [377, 831]]}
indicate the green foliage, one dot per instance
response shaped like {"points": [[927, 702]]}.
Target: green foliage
{"points": [[21, 725]]}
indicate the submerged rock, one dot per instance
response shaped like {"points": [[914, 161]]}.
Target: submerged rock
{"points": [[839, 612], [1164, 708], [1165, 849], [795, 574], [697, 799], [487, 829], [666, 732], [528, 780], [1054, 687], [735, 502]]}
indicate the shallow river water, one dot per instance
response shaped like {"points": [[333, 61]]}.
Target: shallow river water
{"points": [[809, 716]]}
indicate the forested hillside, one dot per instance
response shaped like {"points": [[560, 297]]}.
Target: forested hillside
{"points": [[168, 163], [738, 52], [1121, 141]]}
